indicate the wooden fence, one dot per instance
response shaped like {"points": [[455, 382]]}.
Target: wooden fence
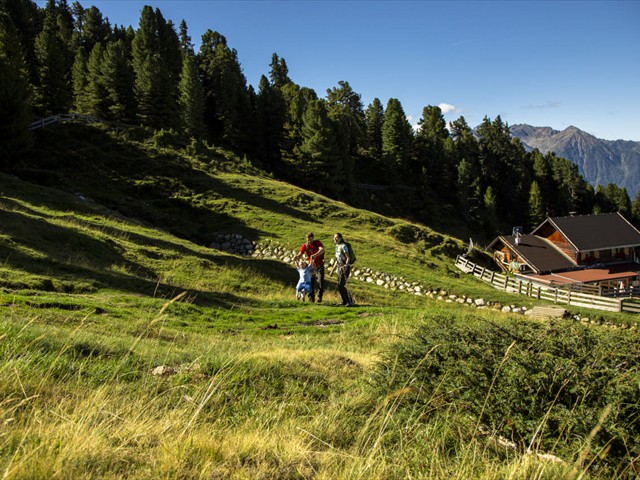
{"points": [[60, 118], [541, 292]]}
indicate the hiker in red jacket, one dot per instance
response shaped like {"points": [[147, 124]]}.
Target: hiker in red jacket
{"points": [[314, 251]]}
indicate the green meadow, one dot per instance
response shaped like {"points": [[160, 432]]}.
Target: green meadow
{"points": [[130, 349]]}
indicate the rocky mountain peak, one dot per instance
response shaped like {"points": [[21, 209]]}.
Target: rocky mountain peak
{"points": [[599, 161]]}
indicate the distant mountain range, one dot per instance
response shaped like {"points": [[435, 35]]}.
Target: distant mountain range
{"points": [[599, 161]]}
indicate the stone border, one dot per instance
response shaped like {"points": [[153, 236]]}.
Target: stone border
{"points": [[274, 250], [233, 243]]}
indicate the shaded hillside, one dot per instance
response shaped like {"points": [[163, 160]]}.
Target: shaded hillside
{"points": [[600, 161]]}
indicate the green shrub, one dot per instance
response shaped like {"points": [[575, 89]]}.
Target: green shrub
{"points": [[558, 387]]}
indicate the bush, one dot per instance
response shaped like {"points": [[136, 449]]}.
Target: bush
{"points": [[544, 386]]}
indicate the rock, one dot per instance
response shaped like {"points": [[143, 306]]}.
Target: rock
{"points": [[163, 371], [506, 309], [479, 302]]}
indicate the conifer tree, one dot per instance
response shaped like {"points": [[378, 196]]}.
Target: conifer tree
{"points": [[433, 165], [635, 211], [96, 92], [79, 80], [91, 27], [571, 192], [191, 98], [345, 108], [14, 110], [468, 191], [117, 80], [617, 199], [27, 21], [321, 161], [543, 177], [279, 73], [505, 167], [186, 45], [296, 101], [154, 53], [271, 115], [490, 213], [536, 206], [228, 114], [601, 203], [52, 91], [397, 142], [374, 117]]}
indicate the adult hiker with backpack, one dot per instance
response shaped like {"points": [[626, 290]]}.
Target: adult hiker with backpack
{"points": [[345, 256], [314, 251]]}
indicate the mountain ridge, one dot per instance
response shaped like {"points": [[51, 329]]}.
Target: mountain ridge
{"points": [[600, 161]]}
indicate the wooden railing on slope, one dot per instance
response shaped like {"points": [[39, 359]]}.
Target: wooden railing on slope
{"points": [[60, 118], [556, 295]]}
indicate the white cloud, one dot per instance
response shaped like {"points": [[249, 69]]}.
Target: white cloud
{"points": [[447, 108]]}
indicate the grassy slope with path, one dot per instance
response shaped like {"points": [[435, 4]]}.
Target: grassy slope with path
{"points": [[105, 276]]}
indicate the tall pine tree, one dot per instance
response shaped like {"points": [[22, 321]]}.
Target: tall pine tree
{"points": [[228, 113], [14, 110], [397, 142], [52, 90], [536, 206], [191, 98], [374, 117], [345, 108], [433, 165], [271, 115], [117, 81], [156, 64], [320, 158]]}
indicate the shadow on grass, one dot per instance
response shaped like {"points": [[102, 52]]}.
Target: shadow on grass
{"points": [[159, 189], [37, 246]]}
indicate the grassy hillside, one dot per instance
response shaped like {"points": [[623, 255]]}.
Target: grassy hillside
{"points": [[131, 349]]}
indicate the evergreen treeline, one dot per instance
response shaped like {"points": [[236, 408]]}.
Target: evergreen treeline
{"points": [[67, 58]]}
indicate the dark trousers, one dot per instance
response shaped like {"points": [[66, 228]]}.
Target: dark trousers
{"points": [[343, 276], [317, 280]]}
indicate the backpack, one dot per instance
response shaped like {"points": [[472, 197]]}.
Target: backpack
{"points": [[352, 254]]}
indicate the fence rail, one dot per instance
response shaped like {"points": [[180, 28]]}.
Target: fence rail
{"points": [[541, 292], [60, 118]]}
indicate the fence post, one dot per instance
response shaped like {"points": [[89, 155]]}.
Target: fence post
{"points": [[569, 296], [556, 300], [493, 274], [538, 296], [520, 287], [506, 282]]}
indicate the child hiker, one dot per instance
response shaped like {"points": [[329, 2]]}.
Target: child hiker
{"points": [[303, 288]]}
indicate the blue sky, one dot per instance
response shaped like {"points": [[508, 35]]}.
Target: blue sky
{"points": [[545, 63]]}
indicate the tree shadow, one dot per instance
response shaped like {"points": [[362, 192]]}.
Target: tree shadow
{"points": [[36, 246], [161, 190]]}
